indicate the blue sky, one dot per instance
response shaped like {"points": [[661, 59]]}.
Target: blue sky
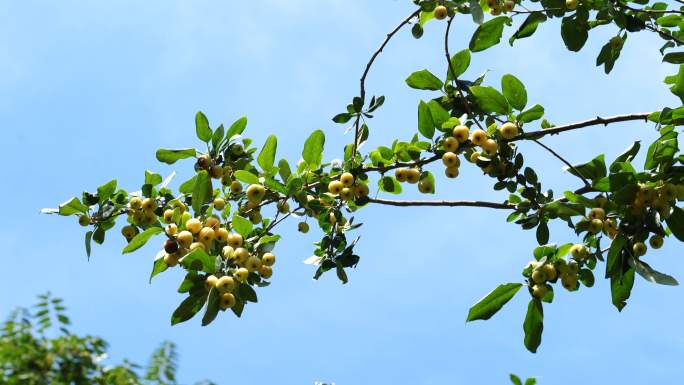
{"points": [[91, 89]]}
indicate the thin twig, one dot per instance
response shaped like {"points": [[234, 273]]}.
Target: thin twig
{"points": [[492, 205], [554, 153], [362, 81], [586, 123]]}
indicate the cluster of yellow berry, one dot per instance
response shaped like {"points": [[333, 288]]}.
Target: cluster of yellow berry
{"points": [[497, 7], [347, 188], [661, 197], [141, 212], [412, 176], [541, 275]]}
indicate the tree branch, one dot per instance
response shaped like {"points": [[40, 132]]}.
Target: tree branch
{"points": [[362, 81], [417, 163], [554, 153], [586, 123], [492, 205]]}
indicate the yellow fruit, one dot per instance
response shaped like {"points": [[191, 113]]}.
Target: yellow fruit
{"points": [[235, 240], [332, 218], [579, 251], [255, 193], [207, 234], [569, 281], [184, 238], [450, 159], [235, 187], [508, 130], [225, 284], [495, 11], [219, 203], [441, 12], [508, 5], [361, 190], [597, 213], [656, 242], [538, 276], [168, 216], [241, 274], [539, 291], [216, 172], [193, 225], [451, 172], [595, 225], [211, 281], [198, 245], [425, 186], [335, 187], [222, 235], [241, 255], [171, 260], [478, 137], [226, 301], [303, 227], [474, 156], [461, 133], [84, 220], [346, 194], [268, 259], [600, 201], [149, 204], [549, 271], [227, 252], [450, 144], [639, 249], [412, 175], [571, 4], [609, 226], [400, 174], [171, 229], [136, 203], [347, 179], [265, 272], [490, 146], [149, 218]]}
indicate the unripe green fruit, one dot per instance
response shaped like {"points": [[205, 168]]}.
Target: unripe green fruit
{"points": [[235, 187], [595, 226], [425, 186], [550, 272], [600, 201], [237, 149], [569, 281], [597, 213], [412, 175], [538, 276], [639, 249], [255, 217], [84, 220], [216, 172], [303, 227], [361, 190], [578, 251], [128, 232], [571, 4], [656, 242], [539, 291], [283, 207]]}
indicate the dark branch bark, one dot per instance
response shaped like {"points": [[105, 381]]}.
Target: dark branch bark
{"points": [[586, 123], [492, 205]]}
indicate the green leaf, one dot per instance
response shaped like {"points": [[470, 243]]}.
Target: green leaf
{"points": [[528, 27], [202, 127], [424, 80], [614, 262], [677, 82], [88, 239], [534, 325], [621, 288], [674, 57], [514, 91], [493, 302], [159, 266], [237, 128], [459, 64], [202, 192], [594, 169], [172, 156], [426, 125], [651, 275], [141, 239], [490, 100], [267, 155], [247, 293], [71, 207], [389, 184], [242, 225], [515, 379], [542, 233], [246, 177], [342, 118], [284, 170], [313, 149], [105, 191], [188, 308], [676, 223], [531, 114], [212, 307], [574, 32], [199, 260], [627, 156], [488, 34]]}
